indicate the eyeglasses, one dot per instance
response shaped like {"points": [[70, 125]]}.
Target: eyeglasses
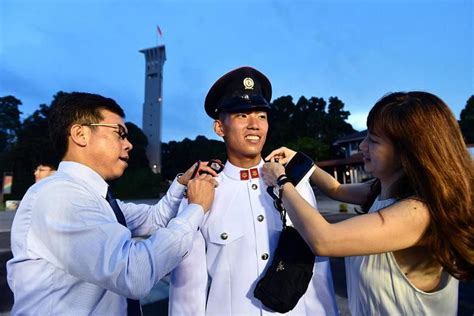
{"points": [[122, 133]]}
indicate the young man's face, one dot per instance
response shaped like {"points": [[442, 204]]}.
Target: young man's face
{"points": [[244, 135]]}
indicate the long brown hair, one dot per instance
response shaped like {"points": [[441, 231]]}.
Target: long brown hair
{"points": [[438, 170]]}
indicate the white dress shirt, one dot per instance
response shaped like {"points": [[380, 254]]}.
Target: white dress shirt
{"points": [[231, 252], [72, 257]]}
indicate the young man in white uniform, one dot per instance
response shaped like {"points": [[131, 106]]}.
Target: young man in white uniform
{"points": [[237, 240]]}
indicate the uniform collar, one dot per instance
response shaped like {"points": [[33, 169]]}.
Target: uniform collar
{"points": [[237, 173], [83, 173]]}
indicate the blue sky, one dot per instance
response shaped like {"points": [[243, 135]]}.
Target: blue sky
{"points": [[355, 50]]}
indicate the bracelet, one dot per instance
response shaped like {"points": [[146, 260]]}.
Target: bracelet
{"points": [[282, 180], [282, 176]]}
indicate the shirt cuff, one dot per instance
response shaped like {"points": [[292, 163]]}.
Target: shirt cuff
{"points": [[194, 214], [176, 189]]}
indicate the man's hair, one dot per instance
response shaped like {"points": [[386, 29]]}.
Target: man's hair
{"points": [[223, 116], [437, 169], [52, 163], [76, 108]]}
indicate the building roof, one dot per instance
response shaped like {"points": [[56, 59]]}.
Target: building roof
{"points": [[351, 137], [352, 160]]}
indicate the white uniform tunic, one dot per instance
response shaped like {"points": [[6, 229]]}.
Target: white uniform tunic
{"points": [[232, 250]]}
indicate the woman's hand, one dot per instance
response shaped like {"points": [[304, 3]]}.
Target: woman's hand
{"points": [[195, 170], [271, 172], [281, 155]]}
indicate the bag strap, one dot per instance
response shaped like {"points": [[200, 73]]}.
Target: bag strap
{"points": [[278, 203], [281, 209]]}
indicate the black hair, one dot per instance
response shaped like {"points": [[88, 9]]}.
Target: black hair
{"points": [[76, 108]]}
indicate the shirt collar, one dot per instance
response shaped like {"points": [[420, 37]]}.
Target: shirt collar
{"points": [[234, 172], [85, 174]]}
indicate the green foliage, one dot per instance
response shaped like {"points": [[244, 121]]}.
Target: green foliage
{"points": [[179, 156], [9, 121], [467, 121], [32, 147], [308, 126], [311, 146], [138, 181]]}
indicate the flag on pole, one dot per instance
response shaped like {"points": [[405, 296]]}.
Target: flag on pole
{"points": [[158, 30]]}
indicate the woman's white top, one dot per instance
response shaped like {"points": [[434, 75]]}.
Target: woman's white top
{"points": [[377, 286]]}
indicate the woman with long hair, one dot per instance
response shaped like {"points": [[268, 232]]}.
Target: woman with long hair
{"points": [[406, 254]]}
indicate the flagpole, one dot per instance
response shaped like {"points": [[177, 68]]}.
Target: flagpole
{"points": [[158, 34]]}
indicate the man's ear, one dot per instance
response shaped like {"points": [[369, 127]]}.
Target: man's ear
{"points": [[219, 128], [79, 135]]}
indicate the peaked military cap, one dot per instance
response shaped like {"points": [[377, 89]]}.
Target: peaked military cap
{"points": [[242, 89]]}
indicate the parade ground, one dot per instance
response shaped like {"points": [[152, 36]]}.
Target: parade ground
{"points": [[156, 303]]}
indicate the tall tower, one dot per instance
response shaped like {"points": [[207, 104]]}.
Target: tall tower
{"points": [[155, 58]]}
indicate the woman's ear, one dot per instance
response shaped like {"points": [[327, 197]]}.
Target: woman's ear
{"points": [[219, 128], [79, 135]]}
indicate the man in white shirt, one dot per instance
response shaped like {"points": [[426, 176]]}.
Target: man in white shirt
{"points": [[72, 245], [237, 240]]}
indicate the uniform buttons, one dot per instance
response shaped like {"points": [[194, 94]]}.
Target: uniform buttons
{"points": [[260, 218], [254, 186], [265, 256], [224, 236]]}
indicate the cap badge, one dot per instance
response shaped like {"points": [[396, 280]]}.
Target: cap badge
{"points": [[248, 83]]}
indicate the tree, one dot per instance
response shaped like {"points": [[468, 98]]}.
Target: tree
{"points": [[9, 121], [32, 146], [311, 146], [335, 123], [467, 121], [138, 181], [179, 156], [307, 126]]}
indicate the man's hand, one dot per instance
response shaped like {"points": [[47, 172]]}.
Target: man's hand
{"points": [[194, 170], [281, 155], [271, 171], [201, 191]]}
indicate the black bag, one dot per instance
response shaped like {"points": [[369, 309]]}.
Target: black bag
{"points": [[289, 274], [291, 270]]}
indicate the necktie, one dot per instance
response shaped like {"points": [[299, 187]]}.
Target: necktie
{"points": [[133, 306]]}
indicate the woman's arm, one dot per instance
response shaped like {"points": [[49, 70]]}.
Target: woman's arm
{"points": [[396, 227], [349, 193], [356, 193]]}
